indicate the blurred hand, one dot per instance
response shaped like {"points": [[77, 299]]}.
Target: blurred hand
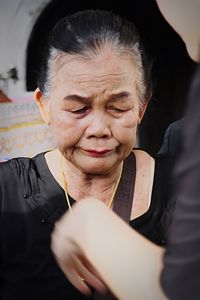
{"points": [[70, 256]]}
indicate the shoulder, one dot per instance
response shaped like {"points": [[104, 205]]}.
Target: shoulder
{"points": [[16, 167], [141, 154], [143, 182], [144, 160], [10, 175], [145, 165], [10, 170], [13, 165], [19, 176]]}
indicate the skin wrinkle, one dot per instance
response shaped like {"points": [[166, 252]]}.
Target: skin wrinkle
{"points": [[57, 56], [96, 78], [66, 60], [99, 126], [88, 190], [100, 79]]}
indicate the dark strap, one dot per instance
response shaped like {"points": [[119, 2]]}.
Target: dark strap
{"points": [[123, 201]]}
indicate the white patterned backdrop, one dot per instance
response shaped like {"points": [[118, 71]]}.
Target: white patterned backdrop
{"points": [[22, 131]]}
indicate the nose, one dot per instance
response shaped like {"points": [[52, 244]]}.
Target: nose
{"points": [[99, 126]]}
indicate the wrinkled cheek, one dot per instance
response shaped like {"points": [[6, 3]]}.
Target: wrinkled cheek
{"points": [[131, 139], [65, 134], [127, 132], [127, 142]]}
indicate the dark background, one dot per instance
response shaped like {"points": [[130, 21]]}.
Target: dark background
{"points": [[172, 67]]}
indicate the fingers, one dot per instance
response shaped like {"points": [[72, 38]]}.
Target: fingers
{"points": [[80, 276], [77, 281], [76, 266], [89, 274], [73, 261]]}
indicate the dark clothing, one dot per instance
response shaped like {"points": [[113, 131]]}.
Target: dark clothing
{"points": [[181, 274], [31, 201], [173, 139], [172, 148], [155, 222]]}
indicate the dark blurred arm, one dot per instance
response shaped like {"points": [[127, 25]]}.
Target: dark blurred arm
{"points": [[180, 276]]}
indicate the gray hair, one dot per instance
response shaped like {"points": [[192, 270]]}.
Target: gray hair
{"points": [[86, 33]]}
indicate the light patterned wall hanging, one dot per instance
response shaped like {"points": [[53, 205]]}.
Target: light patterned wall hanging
{"points": [[22, 131]]}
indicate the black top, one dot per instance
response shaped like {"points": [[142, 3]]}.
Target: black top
{"points": [[173, 139], [31, 201], [181, 274]]}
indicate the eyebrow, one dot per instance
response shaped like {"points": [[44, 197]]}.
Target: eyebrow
{"points": [[119, 96], [77, 98], [112, 97]]}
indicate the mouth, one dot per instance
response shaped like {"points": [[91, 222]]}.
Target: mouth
{"points": [[98, 153]]}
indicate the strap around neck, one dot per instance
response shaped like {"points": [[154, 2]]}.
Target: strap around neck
{"points": [[124, 195]]}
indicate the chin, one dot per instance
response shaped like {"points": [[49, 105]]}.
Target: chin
{"points": [[97, 169]]}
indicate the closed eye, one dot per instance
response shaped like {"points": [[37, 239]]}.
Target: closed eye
{"points": [[116, 109], [81, 110]]}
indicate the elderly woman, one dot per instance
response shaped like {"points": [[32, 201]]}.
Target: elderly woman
{"points": [[94, 87], [81, 235]]}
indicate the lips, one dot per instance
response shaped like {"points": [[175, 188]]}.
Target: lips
{"points": [[97, 153]]}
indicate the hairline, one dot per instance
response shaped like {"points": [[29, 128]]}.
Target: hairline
{"points": [[88, 54]]}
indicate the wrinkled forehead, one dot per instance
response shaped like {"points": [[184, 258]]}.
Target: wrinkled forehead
{"points": [[104, 54], [95, 77], [104, 66]]}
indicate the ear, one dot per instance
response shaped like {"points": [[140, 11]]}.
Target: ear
{"points": [[43, 105], [142, 112]]}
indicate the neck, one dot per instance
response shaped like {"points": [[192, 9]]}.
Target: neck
{"points": [[81, 185]]}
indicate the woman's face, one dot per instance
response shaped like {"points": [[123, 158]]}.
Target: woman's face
{"points": [[93, 109]]}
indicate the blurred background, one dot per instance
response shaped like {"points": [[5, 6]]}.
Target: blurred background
{"points": [[24, 27]]}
